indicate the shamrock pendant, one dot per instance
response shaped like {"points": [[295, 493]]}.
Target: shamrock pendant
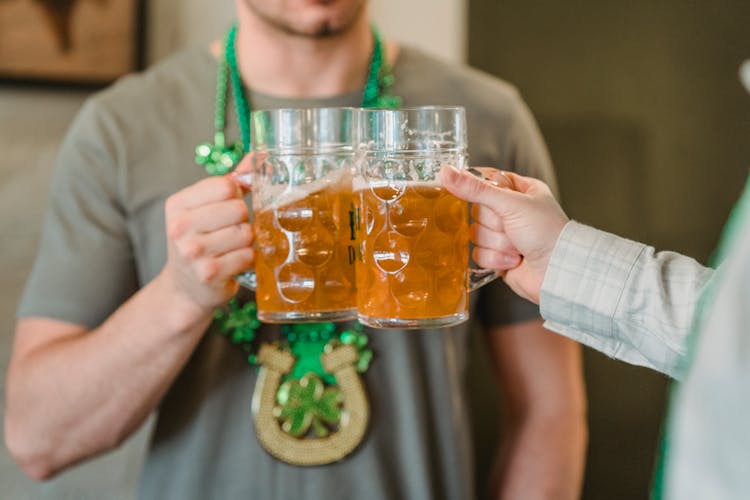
{"points": [[218, 158], [307, 403]]}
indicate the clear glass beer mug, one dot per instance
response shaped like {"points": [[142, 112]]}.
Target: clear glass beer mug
{"points": [[302, 210], [412, 235]]}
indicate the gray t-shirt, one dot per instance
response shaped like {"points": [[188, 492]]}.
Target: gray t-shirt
{"points": [[130, 148]]}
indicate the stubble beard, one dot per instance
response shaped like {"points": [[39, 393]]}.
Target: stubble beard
{"points": [[322, 31]]}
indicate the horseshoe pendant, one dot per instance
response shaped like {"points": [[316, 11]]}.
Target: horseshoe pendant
{"points": [[308, 451]]}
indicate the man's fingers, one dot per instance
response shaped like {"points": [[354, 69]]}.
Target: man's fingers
{"points": [[481, 214], [226, 266], [230, 238], [470, 188], [216, 243], [510, 180], [237, 261], [207, 218], [522, 184], [492, 259], [210, 190], [485, 238], [496, 177]]}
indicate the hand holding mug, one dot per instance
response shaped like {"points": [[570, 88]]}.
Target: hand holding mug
{"points": [[209, 240], [517, 222]]}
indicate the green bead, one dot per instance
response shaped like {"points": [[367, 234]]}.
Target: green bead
{"points": [[363, 363], [202, 153], [226, 159], [219, 139], [348, 337], [239, 324]]}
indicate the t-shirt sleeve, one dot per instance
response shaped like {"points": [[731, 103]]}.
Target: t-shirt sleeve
{"points": [[84, 268], [524, 152]]}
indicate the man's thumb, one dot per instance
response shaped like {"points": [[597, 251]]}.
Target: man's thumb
{"points": [[466, 186]]}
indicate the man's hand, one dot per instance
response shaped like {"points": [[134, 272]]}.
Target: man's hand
{"points": [[517, 222], [209, 241]]}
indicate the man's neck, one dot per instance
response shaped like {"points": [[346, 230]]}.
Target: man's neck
{"points": [[284, 65]]}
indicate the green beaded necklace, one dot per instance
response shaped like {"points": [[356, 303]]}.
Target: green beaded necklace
{"points": [[239, 322], [219, 158]]}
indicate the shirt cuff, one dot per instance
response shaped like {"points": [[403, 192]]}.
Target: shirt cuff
{"points": [[584, 283]]}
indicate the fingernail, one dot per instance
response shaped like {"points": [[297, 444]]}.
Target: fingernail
{"points": [[243, 179], [507, 181], [511, 260]]}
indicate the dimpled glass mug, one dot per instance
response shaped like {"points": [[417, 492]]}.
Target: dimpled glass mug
{"points": [[302, 205], [413, 235]]}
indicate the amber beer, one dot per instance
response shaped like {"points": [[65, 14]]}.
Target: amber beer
{"points": [[305, 255], [302, 167], [413, 246]]}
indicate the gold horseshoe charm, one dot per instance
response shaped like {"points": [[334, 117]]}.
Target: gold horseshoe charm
{"points": [[339, 362]]}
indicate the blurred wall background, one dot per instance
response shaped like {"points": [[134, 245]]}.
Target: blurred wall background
{"points": [[649, 130], [645, 119]]}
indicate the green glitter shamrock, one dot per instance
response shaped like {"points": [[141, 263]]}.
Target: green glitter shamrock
{"points": [[306, 403], [239, 324]]}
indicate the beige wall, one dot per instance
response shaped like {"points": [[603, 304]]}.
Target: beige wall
{"points": [[436, 26]]}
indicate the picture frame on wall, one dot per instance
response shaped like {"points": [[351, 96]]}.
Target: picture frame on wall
{"points": [[85, 42]]}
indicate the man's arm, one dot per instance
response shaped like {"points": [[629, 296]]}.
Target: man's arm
{"points": [[615, 295], [73, 392], [545, 434], [622, 297]]}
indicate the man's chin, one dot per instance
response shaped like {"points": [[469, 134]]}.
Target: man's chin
{"points": [[324, 29], [324, 26], [316, 19]]}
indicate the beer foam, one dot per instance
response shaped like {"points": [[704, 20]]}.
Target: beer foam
{"points": [[361, 183], [275, 196]]}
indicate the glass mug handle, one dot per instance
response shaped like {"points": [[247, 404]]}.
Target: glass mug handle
{"points": [[478, 277], [248, 279]]}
